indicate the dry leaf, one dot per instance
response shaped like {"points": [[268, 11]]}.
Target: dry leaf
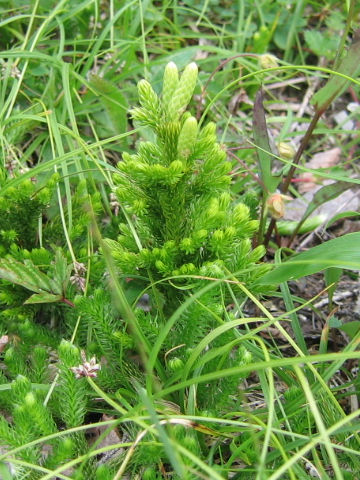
{"points": [[307, 180], [112, 437]]}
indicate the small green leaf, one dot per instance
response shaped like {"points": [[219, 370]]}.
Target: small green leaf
{"points": [[335, 322], [342, 252], [43, 298], [321, 44], [351, 328]]}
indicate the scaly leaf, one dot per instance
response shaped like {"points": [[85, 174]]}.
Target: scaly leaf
{"points": [[5, 473]]}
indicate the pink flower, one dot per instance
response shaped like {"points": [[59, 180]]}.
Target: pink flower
{"points": [[86, 369]]}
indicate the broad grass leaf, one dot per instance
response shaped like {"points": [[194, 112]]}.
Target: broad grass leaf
{"points": [[113, 101], [27, 275], [324, 194], [342, 252], [43, 297], [341, 215]]}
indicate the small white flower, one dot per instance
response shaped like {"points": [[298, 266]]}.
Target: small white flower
{"points": [[86, 369], [78, 278], [14, 71], [114, 204]]}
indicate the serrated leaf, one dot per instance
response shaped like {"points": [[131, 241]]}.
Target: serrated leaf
{"points": [[342, 252], [261, 140], [25, 275], [43, 297], [62, 272], [314, 40]]}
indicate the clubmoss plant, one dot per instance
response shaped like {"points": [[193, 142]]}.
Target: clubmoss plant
{"points": [[183, 225], [31, 417], [20, 210], [176, 192]]}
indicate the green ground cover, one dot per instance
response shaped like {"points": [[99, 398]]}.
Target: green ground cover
{"points": [[151, 325]]}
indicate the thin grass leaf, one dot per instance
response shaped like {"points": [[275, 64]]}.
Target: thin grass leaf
{"points": [[349, 66], [295, 323], [281, 363], [325, 194], [262, 140], [332, 277]]}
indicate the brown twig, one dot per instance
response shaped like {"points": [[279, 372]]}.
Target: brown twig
{"points": [[68, 302], [219, 67], [250, 172], [285, 185]]}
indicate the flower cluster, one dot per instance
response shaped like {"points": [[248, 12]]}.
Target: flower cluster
{"points": [[87, 369]]}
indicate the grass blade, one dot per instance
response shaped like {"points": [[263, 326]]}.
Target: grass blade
{"points": [[319, 258]]}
